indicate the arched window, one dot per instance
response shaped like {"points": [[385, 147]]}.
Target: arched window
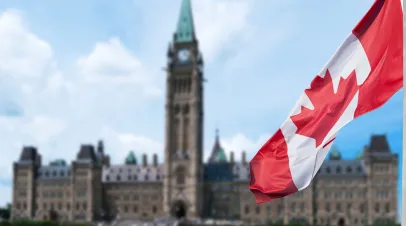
{"points": [[180, 175]]}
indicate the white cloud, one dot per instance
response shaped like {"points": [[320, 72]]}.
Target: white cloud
{"points": [[221, 24], [239, 143], [22, 53], [111, 62], [122, 143]]}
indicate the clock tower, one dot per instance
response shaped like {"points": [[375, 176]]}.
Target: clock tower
{"points": [[183, 180]]}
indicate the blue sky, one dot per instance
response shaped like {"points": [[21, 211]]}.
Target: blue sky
{"points": [[73, 72]]}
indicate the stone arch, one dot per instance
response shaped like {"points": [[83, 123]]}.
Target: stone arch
{"points": [[179, 209], [341, 221], [180, 175]]}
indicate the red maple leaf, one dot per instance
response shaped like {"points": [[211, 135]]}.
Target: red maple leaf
{"points": [[328, 106]]}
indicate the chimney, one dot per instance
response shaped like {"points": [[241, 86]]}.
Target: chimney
{"points": [[243, 158], [100, 146], [106, 161], [232, 157], [155, 159], [144, 160]]}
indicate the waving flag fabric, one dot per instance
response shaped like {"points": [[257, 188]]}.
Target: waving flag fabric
{"points": [[361, 76]]}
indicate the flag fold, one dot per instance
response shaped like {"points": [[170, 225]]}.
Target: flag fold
{"points": [[365, 71]]}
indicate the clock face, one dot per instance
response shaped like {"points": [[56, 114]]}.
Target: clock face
{"points": [[183, 55]]}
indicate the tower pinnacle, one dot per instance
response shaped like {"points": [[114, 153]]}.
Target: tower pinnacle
{"points": [[185, 31]]}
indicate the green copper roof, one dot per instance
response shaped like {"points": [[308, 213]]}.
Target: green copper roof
{"points": [[130, 158], [185, 30], [221, 156], [359, 155], [59, 162], [335, 153]]}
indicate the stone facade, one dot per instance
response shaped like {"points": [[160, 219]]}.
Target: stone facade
{"points": [[355, 192]]}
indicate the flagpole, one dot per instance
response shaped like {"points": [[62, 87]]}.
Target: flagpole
{"points": [[403, 207]]}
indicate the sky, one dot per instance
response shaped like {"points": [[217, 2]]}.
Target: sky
{"points": [[73, 72]]}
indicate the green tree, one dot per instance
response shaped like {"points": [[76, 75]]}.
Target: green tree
{"points": [[5, 212]]}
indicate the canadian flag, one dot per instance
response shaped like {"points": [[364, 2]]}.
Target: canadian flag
{"points": [[361, 76]]}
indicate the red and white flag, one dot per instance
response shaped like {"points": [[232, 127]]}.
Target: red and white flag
{"points": [[361, 76]]}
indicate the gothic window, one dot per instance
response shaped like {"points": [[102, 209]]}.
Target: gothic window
{"points": [[268, 210], [293, 207], [387, 207], [176, 109], [349, 206], [185, 134], [361, 208], [280, 209], [180, 175], [175, 133]]}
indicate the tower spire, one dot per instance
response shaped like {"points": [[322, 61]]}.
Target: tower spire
{"points": [[185, 31]]}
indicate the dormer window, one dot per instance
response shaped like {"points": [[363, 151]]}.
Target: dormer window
{"points": [[359, 169]]}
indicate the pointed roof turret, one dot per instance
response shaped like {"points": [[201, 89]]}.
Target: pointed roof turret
{"points": [[130, 160], [185, 31], [217, 154], [335, 153]]}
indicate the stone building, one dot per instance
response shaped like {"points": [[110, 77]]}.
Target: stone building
{"points": [[344, 192]]}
